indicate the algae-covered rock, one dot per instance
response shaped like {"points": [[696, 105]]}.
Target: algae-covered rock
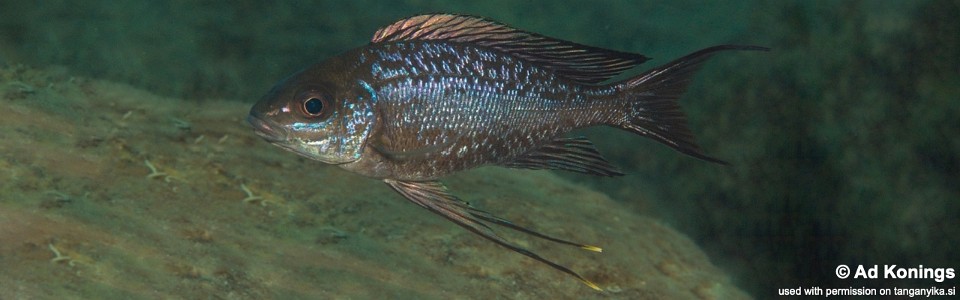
{"points": [[112, 192]]}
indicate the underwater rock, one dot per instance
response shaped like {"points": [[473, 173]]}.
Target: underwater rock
{"points": [[107, 191]]}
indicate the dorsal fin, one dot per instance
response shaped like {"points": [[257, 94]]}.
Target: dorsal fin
{"points": [[574, 61]]}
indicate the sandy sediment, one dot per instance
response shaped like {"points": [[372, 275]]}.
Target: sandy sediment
{"points": [[107, 192]]}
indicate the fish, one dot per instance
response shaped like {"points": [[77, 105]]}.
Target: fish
{"points": [[436, 94]]}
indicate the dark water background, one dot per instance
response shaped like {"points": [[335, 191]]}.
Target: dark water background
{"points": [[844, 139]]}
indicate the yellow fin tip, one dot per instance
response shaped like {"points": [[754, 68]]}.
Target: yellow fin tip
{"points": [[592, 285], [591, 248]]}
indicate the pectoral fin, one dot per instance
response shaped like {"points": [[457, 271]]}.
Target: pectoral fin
{"points": [[418, 153], [434, 196], [569, 154]]}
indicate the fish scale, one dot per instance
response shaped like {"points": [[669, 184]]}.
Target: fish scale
{"points": [[454, 109], [435, 94], [522, 103]]}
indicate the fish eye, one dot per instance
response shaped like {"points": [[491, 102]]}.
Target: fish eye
{"points": [[315, 104]]}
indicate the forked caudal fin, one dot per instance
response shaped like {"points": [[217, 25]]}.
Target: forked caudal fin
{"points": [[655, 113]]}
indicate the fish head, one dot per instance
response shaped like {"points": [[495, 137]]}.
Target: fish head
{"points": [[325, 119]]}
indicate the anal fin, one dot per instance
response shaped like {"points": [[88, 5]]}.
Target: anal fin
{"points": [[569, 154], [434, 196]]}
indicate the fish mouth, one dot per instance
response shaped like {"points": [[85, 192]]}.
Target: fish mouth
{"points": [[279, 136], [267, 130]]}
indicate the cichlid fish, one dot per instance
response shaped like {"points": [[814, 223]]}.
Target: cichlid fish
{"points": [[436, 94]]}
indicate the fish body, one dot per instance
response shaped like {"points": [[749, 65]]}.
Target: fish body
{"points": [[443, 107], [432, 95]]}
